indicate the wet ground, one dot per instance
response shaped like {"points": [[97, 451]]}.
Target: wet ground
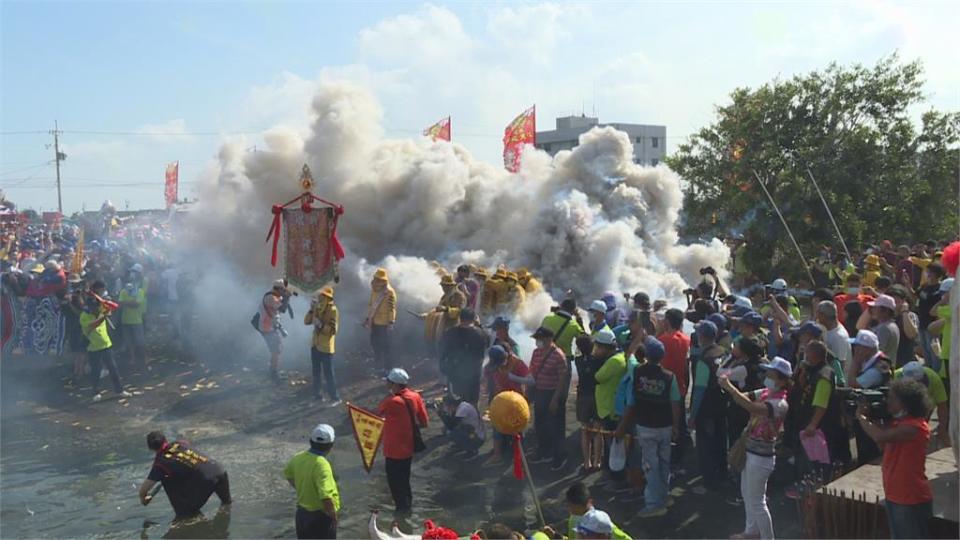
{"points": [[70, 467]]}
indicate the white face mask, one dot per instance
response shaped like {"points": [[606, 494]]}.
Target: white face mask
{"points": [[900, 414], [853, 290], [770, 384]]}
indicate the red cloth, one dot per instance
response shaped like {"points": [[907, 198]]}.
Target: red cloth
{"points": [[397, 429], [502, 382], [904, 465], [677, 345], [522, 131], [548, 367]]}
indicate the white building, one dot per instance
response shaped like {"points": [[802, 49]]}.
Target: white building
{"points": [[649, 142]]}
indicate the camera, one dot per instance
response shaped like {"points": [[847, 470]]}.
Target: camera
{"points": [[707, 270], [689, 292], [874, 398]]}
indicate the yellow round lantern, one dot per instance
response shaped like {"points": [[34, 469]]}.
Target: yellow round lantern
{"points": [[509, 412]]}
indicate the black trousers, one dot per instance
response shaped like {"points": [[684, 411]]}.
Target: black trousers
{"points": [[548, 426], [712, 449], [314, 524], [222, 489], [101, 359], [398, 478], [380, 341]]}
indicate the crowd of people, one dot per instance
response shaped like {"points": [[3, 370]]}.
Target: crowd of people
{"points": [[749, 377], [768, 376]]}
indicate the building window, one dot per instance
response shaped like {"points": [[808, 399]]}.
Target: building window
{"points": [[655, 142], [639, 140]]}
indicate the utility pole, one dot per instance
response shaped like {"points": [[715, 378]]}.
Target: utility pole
{"points": [[58, 157]]}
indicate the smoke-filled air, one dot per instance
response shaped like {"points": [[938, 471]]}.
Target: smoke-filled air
{"points": [[587, 220]]}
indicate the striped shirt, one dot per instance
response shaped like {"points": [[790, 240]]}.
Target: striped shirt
{"points": [[548, 367]]}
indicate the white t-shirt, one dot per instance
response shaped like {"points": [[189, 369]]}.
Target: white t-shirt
{"points": [[471, 417], [838, 342], [170, 275]]}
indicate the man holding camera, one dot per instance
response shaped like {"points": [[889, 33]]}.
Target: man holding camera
{"points": [[269, 323]]}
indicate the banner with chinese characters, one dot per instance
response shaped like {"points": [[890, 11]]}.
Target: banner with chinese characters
{"points": [[521, 132], [367, 430], [170, 185], [439, 131]]}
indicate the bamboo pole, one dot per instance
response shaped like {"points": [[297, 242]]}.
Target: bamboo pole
{"points": [[776, 208]]}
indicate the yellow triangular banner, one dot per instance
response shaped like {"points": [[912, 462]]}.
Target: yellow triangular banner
{"points": [[367, 430]]}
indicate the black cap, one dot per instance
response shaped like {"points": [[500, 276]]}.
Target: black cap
{"points": [[543, 333], [467, 314], [569, 305]]}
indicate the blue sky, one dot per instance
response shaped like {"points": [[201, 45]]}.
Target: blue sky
{"points": [[167, 81]]}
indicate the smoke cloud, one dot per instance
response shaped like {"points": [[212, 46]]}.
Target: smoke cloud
{"points": [[588, 219]]}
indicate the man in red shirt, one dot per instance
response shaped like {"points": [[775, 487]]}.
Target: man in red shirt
{"points": [[547, 381], [676, 360], [909, 499], [404, 414]]}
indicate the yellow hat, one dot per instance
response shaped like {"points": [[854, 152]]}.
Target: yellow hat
{"points": [[501, 273], [380, 274], [872, 260], [512, 275], [447, 280], [480, 272], [522, 272], [327, 291]]}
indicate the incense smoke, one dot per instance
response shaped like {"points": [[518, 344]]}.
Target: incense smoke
{"points": [[589, 219]]}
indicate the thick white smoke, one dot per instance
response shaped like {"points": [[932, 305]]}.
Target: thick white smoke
{"points": [[588, 219]]}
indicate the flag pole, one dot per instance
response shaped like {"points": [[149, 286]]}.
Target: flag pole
{"points": [[785, 226], [826, 207]]}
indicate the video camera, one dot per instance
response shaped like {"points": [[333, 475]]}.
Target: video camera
{"points": [[874, 398], [707, 271]]}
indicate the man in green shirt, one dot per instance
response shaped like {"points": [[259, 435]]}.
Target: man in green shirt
{"points": [[133, 300], [937, 391], [93, 324], [563, 323], [318, 498]]}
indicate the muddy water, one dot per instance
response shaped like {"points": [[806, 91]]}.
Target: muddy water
{"points": [[70, 468]]}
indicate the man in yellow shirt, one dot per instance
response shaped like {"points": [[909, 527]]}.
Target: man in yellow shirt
{"points": [[381, 314], [93, 324], [325, 319], [318, 497], [133, 300]]}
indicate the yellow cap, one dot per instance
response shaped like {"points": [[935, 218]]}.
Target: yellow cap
{"points": [[447, 279], [380, 274]]}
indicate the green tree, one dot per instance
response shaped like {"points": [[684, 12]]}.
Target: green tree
{"points": [[850, 128]]}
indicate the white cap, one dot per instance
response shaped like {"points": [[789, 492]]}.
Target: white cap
{"points": [[866, 338], [596, 522], [398, 376], [605, 337], [884, 301], [779, 284], [779, 364], [323, 434], [913, 370], [598, 305], [137, 267], [946, 285], [742, 301], [278, 284]]}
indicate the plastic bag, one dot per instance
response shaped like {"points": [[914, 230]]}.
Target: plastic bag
{"points": [[618, 455], [815, 447]]}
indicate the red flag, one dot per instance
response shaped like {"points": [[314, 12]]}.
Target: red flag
{"points": [[170, 187], [439, 131], [520, 132]]}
